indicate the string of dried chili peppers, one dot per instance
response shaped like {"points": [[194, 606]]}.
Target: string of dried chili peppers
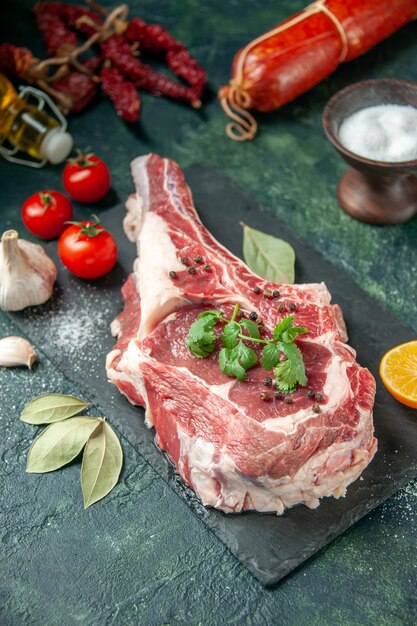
{"points": [[151, 38], [120, 71], [121, 92]]}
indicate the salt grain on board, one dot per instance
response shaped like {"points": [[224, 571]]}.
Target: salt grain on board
{"points": [[387, 132], [73, 327]]}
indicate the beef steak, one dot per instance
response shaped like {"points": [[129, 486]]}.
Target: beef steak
{"points": [[236, 450]]}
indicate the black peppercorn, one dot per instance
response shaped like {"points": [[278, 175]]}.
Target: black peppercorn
{"points": [[184, 260], [282, 308], [253, 315], [288, 399], [198, 259], [264, 396], [310, 393], [256, 290], [267, 293], [292, 306], [172, 274], [276, 293], [207, 267], [319, 397], [240, 313], [268, 382], [192, 270], [316, 408], [278, 395]]}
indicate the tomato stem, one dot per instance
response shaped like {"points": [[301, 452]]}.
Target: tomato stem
{"points": [[83, 159], [89, 229], [46, 200]]}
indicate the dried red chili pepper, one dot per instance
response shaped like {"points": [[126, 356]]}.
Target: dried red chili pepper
{"points": [[78, 87], [156, 40], [122, 93], [59, 39], [119, 53], [68, 14], [16, 62]]}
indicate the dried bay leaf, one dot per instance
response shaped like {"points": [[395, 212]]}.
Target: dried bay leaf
{"points": [[59, 444], [102, 463], [269, 257], [52, 407]]}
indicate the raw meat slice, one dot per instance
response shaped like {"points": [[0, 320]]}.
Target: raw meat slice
{"points": [[235, 450]]}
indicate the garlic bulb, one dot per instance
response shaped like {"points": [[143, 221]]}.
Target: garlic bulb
{"points": [[27, 274], [16, 351]]}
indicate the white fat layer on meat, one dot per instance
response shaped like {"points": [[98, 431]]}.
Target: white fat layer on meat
{"points": [[317, 291], [340, 323], [110, 358], [132, 222], [218, 482], [128, 370], [157, 253], [222, 390], [140, 178]]}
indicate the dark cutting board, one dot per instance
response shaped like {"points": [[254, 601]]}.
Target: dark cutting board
{"points": [[72, 330]]}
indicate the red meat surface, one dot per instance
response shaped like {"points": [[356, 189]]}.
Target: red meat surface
{"points": [[234, 449]]}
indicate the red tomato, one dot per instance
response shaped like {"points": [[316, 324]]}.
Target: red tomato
{"points": [[87, 249], [44, 214], [86, 178]]}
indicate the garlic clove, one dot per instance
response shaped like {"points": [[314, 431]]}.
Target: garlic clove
{"points": [[16, 351], [27, 274]]}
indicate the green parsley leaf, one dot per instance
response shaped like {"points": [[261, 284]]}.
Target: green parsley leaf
{"points": [[270, 356], [289, 335], [201, 339], [283, 326], [290, 371], [230, 333], [236, 357], [251, 327], [212, 313], [286, 332], [247, 357], [235, 361], [204, 346], [229, 364]]}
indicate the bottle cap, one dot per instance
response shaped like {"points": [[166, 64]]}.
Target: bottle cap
{"points": [[56, 146]]}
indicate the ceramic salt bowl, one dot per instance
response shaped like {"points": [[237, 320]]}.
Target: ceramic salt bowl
{"points": [[376, 192]]}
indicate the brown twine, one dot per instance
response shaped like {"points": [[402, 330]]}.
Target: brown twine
{"points": [[235, 104], [114, 24], [110, 27], [236, 100]]}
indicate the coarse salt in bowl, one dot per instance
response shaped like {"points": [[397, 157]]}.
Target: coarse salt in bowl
{"points": [[384, 132], [373, 126]]}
